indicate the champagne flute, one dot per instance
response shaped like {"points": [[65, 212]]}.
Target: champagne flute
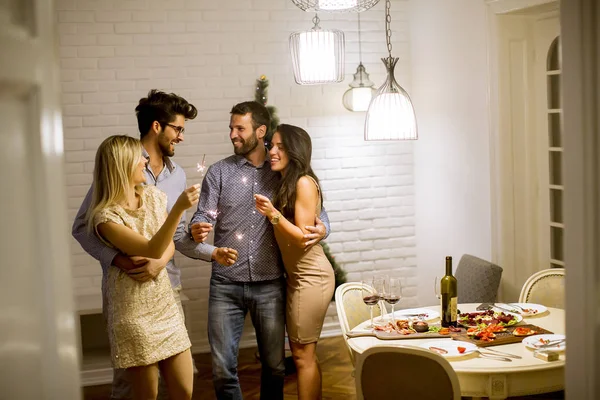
{"points": [[393, 293], [369, 298], [436, 288], [379, 287]]}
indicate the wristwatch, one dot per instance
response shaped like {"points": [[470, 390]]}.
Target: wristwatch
{"points": [[275, 218]]}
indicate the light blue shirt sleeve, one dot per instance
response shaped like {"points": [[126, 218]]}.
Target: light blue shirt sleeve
{"points": [[88, 239]]}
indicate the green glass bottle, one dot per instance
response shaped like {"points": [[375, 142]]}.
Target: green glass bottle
{"points": [[449, 291]]}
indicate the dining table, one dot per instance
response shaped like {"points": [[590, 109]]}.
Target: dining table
{"points": [[486, 377]]}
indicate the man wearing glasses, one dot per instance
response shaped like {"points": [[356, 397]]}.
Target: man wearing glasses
{"points": [[161, 122]]}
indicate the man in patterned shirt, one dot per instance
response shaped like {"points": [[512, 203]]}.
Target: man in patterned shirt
{"points": [[254, 283]]}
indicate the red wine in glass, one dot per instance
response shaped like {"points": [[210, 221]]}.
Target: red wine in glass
{"points": [[371, 300]]}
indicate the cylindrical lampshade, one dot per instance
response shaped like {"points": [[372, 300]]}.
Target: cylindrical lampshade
{"points": [[335, 5], [318, 56], [391, 115]]}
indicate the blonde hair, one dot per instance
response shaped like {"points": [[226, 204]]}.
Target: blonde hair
{"points": [[116, 160]]}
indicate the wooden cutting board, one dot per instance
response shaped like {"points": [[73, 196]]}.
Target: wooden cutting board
{"points": [[501, 337], [397, 336]]}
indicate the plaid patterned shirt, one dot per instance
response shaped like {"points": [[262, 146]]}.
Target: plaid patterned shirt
{"points": [[228, 192]]}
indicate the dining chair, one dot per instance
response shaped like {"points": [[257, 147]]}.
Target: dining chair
{"points": [[352, 310], [546, 287], [392, 372], [478, 280]]}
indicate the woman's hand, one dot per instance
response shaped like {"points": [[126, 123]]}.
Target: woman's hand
{"points": [[264, 206], [188, 197]]}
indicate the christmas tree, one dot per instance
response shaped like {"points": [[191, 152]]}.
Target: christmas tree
{"points": [[260, 96], [340, 274]]}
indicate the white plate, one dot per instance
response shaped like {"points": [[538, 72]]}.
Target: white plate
{"points": [[534, 342], [411, 313], [534, 309], [451, 346]]}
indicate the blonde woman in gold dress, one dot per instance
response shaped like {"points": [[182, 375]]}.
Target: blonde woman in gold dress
{"points": [[310, 276], [145, 328]]}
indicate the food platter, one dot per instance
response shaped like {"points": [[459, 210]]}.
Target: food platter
{"points": [[504, 336], [489, 317]]}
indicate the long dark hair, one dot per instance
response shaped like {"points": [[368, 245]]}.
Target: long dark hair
{"points": [[298, 147]]}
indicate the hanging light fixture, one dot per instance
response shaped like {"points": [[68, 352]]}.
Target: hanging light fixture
{"points": [[335, 5], [391, 115], [317, 55], [358, 97]]}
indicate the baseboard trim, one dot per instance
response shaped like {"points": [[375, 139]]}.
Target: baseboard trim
{"points": [[201, 346]]}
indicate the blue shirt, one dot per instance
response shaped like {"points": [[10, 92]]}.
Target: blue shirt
{"points": [[228, 193], [172, 181]]}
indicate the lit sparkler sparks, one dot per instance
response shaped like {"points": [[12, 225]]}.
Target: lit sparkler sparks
{"points": [[213, 214], [201, 167]]}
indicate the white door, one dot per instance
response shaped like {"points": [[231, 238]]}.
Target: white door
{"points": [[37, 323]]}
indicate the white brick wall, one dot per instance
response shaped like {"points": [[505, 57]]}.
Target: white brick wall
{"points": [[113, 51]]}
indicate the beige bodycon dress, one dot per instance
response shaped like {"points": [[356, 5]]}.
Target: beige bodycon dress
{"points": [[143, 320], [310, 286]]}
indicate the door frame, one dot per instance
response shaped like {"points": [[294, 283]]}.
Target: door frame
{"points": [[581, 122]]}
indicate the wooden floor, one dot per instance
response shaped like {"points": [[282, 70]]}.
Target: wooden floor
{"points": [[338, 382]]}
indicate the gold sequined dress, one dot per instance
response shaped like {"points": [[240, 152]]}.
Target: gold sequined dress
{"points": [[144, 323]]}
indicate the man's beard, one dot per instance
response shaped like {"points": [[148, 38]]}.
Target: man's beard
{"points": [[165, 146], [247, 146]]}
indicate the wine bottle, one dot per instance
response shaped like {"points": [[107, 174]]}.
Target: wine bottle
{"points": [[449, 291]]}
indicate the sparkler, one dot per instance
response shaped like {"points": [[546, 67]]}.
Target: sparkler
{"points": [[201, 167]]}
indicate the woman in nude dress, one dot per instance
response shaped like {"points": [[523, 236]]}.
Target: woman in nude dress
{"points": [[145, 328], [310, 276]]}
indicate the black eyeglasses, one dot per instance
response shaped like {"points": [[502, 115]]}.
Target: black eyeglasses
{"points": [[179, 129]]}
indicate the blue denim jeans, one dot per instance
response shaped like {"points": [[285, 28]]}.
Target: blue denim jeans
{"points": [[229, 302]]}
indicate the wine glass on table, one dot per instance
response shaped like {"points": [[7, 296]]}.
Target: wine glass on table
{"points": [[369, 297], [393, 294], [437, 288], [379, 284]]}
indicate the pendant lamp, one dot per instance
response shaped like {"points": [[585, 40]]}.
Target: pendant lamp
{"points": [[335, 5], [391, 115], [317, 55], [361, 91]]}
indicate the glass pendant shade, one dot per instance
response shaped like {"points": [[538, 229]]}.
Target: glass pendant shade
{"points": [[335, 5], [361, 91], [318, 56], [391, 115]]}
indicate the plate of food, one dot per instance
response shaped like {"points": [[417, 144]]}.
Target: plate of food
{"points": [[546, 342], [450, 349], [525, 309], [489, 317], [424, 314]]}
